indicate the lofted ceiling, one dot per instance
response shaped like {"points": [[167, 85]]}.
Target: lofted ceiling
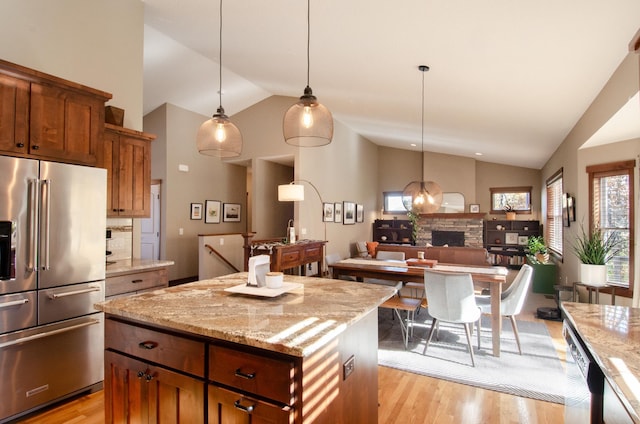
{"points": [[508, 79]]}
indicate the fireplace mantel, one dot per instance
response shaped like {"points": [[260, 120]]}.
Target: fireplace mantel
{"points": [[463, 215], [469, 223]]}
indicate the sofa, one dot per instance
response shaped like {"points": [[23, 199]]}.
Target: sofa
{"points": [[448, 255]]}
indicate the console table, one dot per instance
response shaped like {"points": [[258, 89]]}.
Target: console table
{"points": [[288, 256]]}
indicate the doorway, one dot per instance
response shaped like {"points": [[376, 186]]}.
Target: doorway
{"points": [[150, 227]]}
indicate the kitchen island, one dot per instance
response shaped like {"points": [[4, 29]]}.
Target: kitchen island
{"points": [[612, 336], [198, 353]]}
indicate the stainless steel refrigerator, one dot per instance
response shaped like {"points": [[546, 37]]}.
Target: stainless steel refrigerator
{"points": [[52, 270]]}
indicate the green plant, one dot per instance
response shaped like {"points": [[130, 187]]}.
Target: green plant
{"points": [[537, 250], [596, 248]]}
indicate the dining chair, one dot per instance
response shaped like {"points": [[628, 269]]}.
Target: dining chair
{"points": [[331, 259], [385, 255], [451, 299], [512, 299]]}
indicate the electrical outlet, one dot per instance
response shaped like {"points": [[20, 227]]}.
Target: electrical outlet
{"points": [[348, 367], [181, 231], [221, 242]]}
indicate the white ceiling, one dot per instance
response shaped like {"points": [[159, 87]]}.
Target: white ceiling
{"points": [[508, 78]]}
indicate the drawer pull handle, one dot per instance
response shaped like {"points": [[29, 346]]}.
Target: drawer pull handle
{"points": [[249, 376], [240, 406], [137, 281], [148, 345], [147, 376], [19, 144]]}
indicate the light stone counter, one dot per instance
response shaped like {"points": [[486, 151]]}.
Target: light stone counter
{"points": [[297, 323], [612, 334], [135, 265]]}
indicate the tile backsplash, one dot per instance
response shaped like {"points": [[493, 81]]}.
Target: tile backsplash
{"points": [[121, 242]]}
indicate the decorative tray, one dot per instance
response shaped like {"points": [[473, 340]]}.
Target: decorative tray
{"points": [[263, 291]]}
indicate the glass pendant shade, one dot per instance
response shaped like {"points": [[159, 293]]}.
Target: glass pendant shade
{"points": [[308, 123], [219, 137], [421, 197]]}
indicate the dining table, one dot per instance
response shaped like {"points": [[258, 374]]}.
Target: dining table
{"points": [[493, 276]]}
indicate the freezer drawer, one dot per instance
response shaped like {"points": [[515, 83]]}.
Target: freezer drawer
{"points": [[49, 363], [66, 302], [17, 311]]}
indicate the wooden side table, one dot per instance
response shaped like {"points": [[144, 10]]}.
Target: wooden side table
{"points": [[594, 288]]}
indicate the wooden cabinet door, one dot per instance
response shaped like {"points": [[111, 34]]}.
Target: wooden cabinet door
{"points": [[134, 177], [138, 393], [14, 115], [108, 160], [65, 125], [227, 407]]}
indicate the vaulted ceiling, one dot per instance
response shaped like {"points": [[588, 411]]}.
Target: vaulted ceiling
{"points": [[508, 79]]}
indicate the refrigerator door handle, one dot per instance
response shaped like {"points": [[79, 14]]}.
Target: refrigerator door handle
{"points": [[54, 296], [45, 214], [14, 303], [32, 227], [48, 333]]}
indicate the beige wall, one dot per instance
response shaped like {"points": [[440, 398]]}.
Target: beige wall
{"points": [[622, 85]]}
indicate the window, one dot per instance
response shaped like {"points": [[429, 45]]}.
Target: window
{"points": [[519, 198], [393, 202], [553, 229], [611, 198]]}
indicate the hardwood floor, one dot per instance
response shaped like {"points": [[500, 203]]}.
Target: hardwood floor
{"points": [[404, 397]]}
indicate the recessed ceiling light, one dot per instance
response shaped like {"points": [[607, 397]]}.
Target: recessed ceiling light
{"points": [[478, 154], [413, 144]]}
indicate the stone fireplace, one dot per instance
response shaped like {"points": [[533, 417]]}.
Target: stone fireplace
{"points": [[467, 226]]}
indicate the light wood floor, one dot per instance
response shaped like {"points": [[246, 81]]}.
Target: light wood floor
{"points": [[404, 397]]}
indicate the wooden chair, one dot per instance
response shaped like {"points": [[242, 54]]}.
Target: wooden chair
{"points": [[409, 305]]}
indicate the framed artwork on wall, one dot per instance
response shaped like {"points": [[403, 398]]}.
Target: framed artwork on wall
{"points": [[212, 212], [337, 212], [196, 211], [231, 212], [474, 208], [359, 213], [327, 212], [349, 213]]}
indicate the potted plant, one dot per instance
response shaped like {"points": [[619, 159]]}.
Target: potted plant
{"points": [[594, 250], [537, 250], [413, 218], [511, 213]]}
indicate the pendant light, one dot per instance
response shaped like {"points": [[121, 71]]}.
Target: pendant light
{"points": [[308, 123], [218, 136], [421, 197]]}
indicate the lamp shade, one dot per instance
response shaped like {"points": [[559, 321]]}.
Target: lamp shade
{"points": [[219, 137], [308, 123], [291, 193], [422, 197]]}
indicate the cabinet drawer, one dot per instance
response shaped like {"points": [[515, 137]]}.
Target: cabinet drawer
{"points": [[257, 374], [290, 259], [135, 282], [313, 254], [226, 406], [166, 349]]}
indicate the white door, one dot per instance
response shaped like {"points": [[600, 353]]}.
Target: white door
{"points": [[150, 228]]}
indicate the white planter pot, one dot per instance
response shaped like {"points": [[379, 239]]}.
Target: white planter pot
{"points": [[593, 274]]}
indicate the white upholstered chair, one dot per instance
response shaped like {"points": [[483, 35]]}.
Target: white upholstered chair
{"points": [[512, 299], [385, 255], [451, 299]]}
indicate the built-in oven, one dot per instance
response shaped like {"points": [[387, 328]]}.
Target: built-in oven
{"points": [[585, 381]]}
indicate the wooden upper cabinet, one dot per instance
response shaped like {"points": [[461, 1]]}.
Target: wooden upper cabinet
{"points": [[14, 114], [46, 117], [126, 155]]}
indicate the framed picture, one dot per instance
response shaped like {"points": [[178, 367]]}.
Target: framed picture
{"points": [[196, 211], [523, 240], [349, 213], [571, 208], [473, 208], [359, 213], [565, 210], [212, 212], [327, 212], [511, 238], [231, 212], [337, 212]]}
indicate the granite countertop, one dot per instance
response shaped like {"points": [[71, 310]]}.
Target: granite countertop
{"points": [[128, 266], [612, 334], [297, 323]]}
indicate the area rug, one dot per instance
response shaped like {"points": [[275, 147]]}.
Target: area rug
{"points": [[537, 373]]}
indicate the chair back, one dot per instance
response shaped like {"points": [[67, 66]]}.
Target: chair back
{"points": [[386, 255], [361, 249], [513, 302], [332, 258], [451, 296]]}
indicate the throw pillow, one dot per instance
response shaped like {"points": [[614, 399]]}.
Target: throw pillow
{"points": [[371, 247]]}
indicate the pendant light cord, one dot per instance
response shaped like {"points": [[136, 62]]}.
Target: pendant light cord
{"points": [[308, 38], [220, 57], [422, 133]]}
